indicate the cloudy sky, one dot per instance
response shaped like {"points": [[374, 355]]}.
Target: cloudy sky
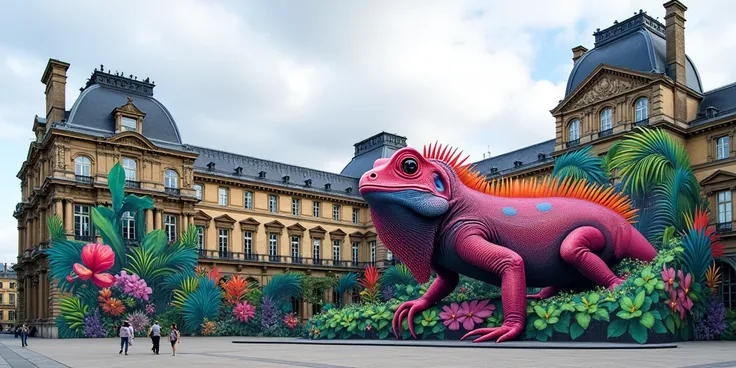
{"points": [[286, 80]]}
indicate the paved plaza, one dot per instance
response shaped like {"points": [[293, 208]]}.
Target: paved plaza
{"points": [[221, 352]]}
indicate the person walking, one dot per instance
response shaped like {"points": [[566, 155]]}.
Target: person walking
{"points": [[155, 333], [174, 337], [24, 335], [125, 337]]}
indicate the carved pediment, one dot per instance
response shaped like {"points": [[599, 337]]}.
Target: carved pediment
{"points": [[274, 225], [603, 83], [132, 139], [719, 178], [129, 109], [369, 234], [225, 219], [317, 232], [296, 227], [250, 221], [337, 234], [201, 215]]}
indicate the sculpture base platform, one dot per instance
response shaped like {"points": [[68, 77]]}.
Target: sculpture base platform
{"points": [[460, 344]]}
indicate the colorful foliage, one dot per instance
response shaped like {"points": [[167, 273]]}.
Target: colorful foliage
{"points": [[235, 289], [203, 303], [581, 164], [371, 285]]}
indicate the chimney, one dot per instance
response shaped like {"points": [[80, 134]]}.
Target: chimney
{"points": [[578, 52], [675, 38], [54, 77]]}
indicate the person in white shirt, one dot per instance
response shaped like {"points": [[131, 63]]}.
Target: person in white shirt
{"points": [[126, 335]]}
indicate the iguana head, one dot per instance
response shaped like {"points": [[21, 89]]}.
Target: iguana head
{"points": [[408, 194]]}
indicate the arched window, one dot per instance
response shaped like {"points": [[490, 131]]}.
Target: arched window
{"points": [[641, 109], [574, 130], [171, 179], [82, 166], [606, 119]]}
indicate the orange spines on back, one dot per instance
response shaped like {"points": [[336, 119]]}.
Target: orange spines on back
{"points": [[525, 188]]}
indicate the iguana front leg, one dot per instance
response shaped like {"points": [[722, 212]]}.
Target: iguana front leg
{"points": [[441, 287], [472, 247]]}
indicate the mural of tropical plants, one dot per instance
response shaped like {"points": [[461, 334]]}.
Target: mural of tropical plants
{"points": [[674, 297]]}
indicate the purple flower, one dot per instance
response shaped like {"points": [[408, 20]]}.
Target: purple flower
{"points": [[388, 293], [93, 325], [270, 314], [475, 312], [713, 321], [450, 315], [150, 309], [133, 285], [138, 320]]}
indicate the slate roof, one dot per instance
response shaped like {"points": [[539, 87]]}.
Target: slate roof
{"points": [[636, 43], [716, 104], [528, 156], [225, 164], [92, 111], [367, 151]]}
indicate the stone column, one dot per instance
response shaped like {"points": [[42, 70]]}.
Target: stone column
{"points": [[43, 226], [149, 220], [68, 218], [159, 218], [40, 302], [184, 222], [59, 208]]}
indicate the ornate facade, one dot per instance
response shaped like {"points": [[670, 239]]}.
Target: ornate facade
{"points": [[259, 217], [8, 297]]}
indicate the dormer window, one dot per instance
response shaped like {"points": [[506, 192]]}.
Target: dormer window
{"points": [[308, 183], [517, 163], [211, 166], [285, 179], [262, 175], [349, 189], [494, 170], [328, 186], [128, 124], [541, 156], [238, 171]]}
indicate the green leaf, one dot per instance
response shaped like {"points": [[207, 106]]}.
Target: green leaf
{"points": [[540, 324], [110, 236], [638, 332], [562, 326], [669, 322], [626, 303], [133, 203], [602, 314], [647, 320], [624, 315], [639, 300], [646, 305], [617, 328], [576, 330], [383, 334], [116, 184], [541, 336], [656, 315], [583, 319], [540, 311], [659, 327], [438, 328]]}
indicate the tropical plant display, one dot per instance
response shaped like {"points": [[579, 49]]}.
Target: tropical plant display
{"points": [[670, 298], [107, 283]]}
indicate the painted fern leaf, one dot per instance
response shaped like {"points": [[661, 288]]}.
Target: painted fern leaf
{"points": [[580, 164], [203, 303], [73, 311], [346, 282], [56, 228], [283, 286], [398, 275], [62, 256]]}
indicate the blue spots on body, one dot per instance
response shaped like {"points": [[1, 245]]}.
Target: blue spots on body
{"points": [[509, 211], [544, 206]]}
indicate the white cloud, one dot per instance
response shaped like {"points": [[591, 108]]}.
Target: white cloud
{"points": [[301, 82]]}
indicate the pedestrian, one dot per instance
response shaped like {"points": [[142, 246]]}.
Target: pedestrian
{"points": [[24, 335], [125, 337], [174, 337], [155, 333]]}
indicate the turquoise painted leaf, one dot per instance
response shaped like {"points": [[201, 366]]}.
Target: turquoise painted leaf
{"points": [[110, 236], [116, 184], [133, 203], [618, 328], [576, 330], [638, 332]]}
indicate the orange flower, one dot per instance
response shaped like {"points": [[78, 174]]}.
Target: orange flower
{"points": [[105, 294], [113, 307]]}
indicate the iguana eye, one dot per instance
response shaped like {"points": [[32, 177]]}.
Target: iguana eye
{"points": [[438, 184], [409, 166]]}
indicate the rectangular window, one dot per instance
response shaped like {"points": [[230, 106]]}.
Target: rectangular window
{"points": [[222, 196], [356, 215], [12, 299], [336, 251], [295, 206], [170, 227], [316, 243], [336, 212], [248, 200], [356, 247], [81, 222], [247, 244], [295, 249], [222, 243], [722, 147], [273, 247], [315, 209], [11, 315], [129, 165], [12, 285], [198, 191], [128, 124], [200, 238], [273, 203], [373, 251], [128, 226], [724, 207]]}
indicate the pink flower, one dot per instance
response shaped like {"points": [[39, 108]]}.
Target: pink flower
{"points": [[449, 315], [290, 320], [668, 276], [244, 312], [672, 302], [685, 281], [133, 285], [150, 309], [96, 259], [475, 312], [684, 302]]}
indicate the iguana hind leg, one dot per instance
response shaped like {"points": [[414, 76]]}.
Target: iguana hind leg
{"points": [[545, 293], [578, 250]]}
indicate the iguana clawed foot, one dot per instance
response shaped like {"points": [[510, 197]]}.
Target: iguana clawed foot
{"points": [[408, 309], [508, 331], [544, 293]]}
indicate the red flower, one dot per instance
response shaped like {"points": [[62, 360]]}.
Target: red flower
{"points": [[97, 259]]}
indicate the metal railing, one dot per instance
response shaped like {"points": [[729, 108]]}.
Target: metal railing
{"points": [[723, 227], [132, 184], [278, 259], [605, 133], [642, 122], [84, 179], [85, 238], [572, 143], [173, 191]]}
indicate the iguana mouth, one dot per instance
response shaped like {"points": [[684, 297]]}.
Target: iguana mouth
{"points": [[371, 187]]}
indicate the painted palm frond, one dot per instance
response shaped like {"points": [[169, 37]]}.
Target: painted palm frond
{"points": [[175, 280], [677, 197], [56, 228], [283, 286], [606, 160], [203, 303], [697, 254], [73, 311], [346, 282], [189, 238], [62, 255], [397, 275], [580, 164], [186, 288], [148, 260], [105, 220], [648, 157]]}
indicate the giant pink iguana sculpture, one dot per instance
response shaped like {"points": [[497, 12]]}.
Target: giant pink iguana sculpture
{"points": [[437, 214]]}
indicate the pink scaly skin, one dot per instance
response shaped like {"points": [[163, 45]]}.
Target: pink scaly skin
{"points": [[427, 217]]}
